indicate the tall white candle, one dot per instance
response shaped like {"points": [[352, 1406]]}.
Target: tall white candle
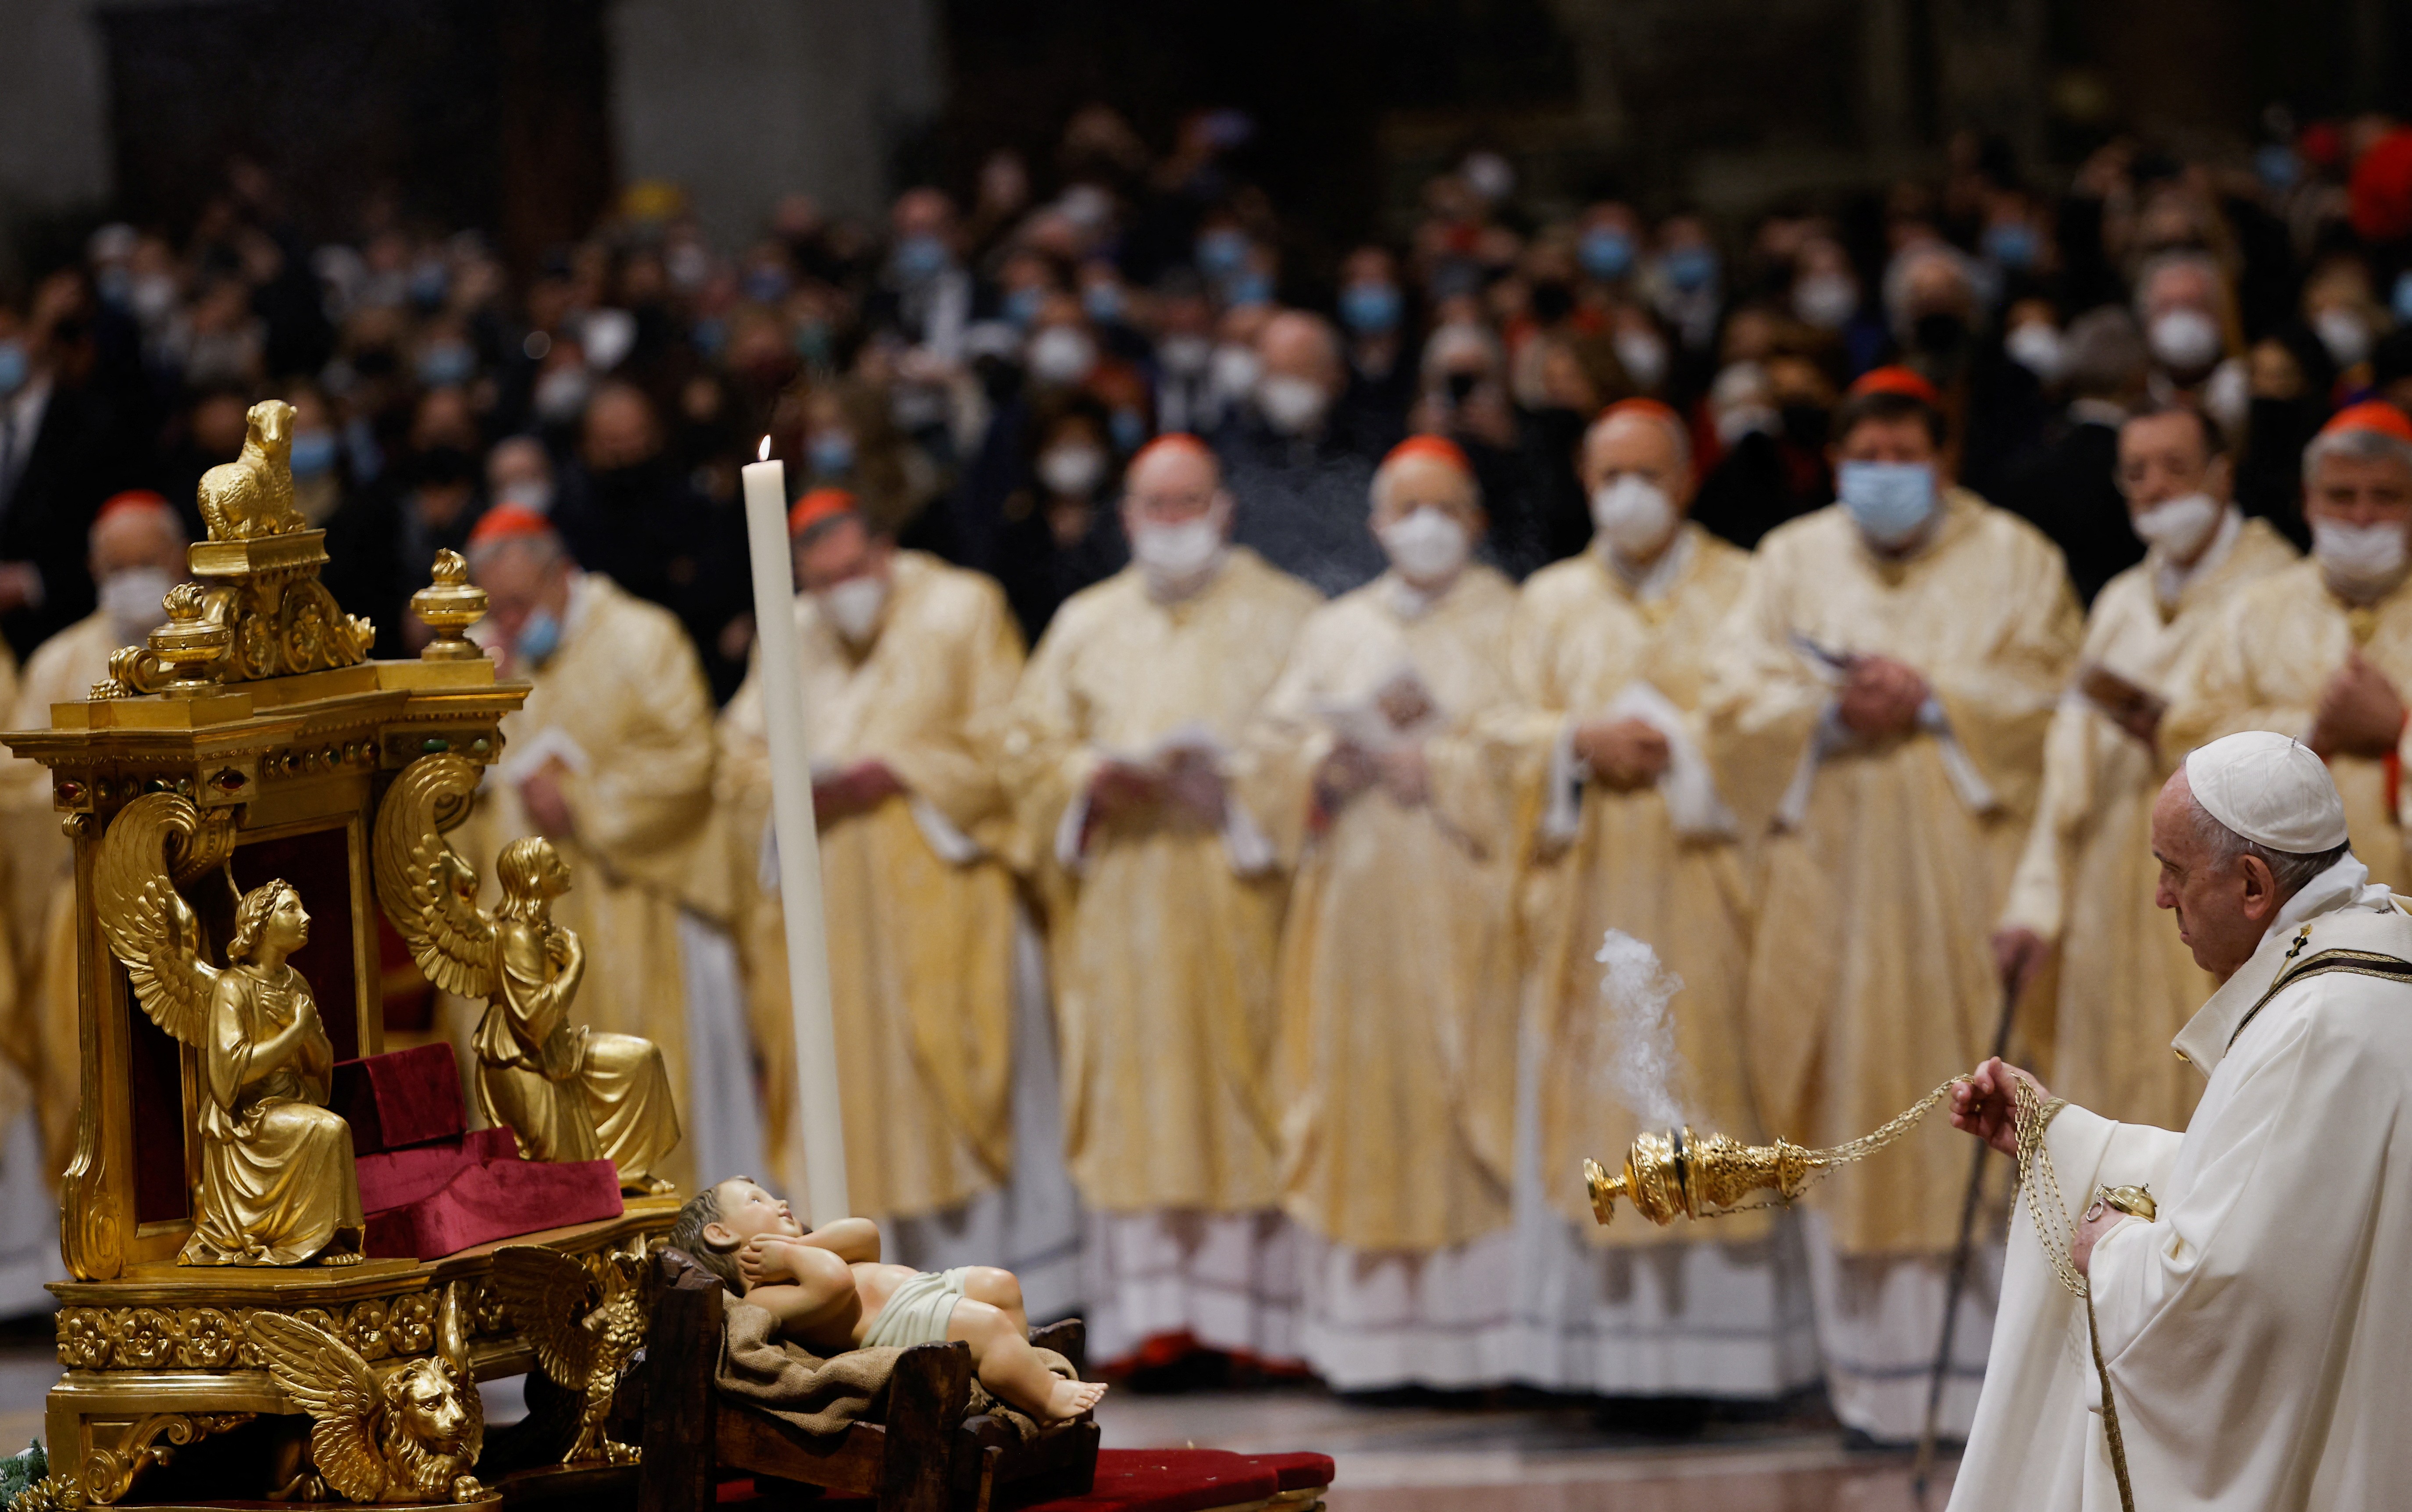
{"points": [[815, 1138]]}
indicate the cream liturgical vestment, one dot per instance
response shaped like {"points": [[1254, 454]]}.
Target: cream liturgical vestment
{"points": [[40, 862], [919, 904], [1396, 1068], [1164, 929], [1710, 1308], [2087, 878], [622, 714], [2265, 664], [1872, 978], [2257, 1329]]}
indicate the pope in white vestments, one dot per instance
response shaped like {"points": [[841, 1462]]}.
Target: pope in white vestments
{"points": [[2253, 1317]]}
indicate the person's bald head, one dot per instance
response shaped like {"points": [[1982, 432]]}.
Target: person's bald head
{"points": [[621, 428], [1174, 478], [1295, 343], [137, 533], [1645, 442]]}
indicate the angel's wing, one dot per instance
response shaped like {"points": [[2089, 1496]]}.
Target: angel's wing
{"points": [[154, 841], [544, 1292], [428, 889], [333, 1384]]}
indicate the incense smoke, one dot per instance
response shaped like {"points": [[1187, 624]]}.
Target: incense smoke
{"points": [[1645, 1072]]}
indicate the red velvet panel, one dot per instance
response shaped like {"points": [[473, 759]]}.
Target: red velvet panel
{"points": [[154, 1094], [498, 1200], [319, 866], [400, 1177], [399, 1099], [1149, 1481]]}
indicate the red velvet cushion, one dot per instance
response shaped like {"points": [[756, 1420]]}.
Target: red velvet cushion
{"points": [[400, 1177], [496, 1200], [400, 1099], [1147, 1480], [1298, 1471]]}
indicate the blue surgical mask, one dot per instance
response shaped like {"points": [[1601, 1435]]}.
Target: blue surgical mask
{"points": [[1222, 252], [429, 282], [445, 363], [832, 454], [314, 452], [1369, 309], [1103, 302], [1605, 252], [2278, 167], [1129, 428], [1690, 268], [1022, 304], [765, 285], [1889, 501], [2012, 244], [539, 636], [709, 336], [2399, 299], [919, 258], [1248, 288], [15, 366]]}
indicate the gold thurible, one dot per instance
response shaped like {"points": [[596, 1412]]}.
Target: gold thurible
{"points": [[1675, 1173]]}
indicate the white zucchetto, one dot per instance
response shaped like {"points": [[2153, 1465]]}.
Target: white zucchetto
{"points": [[2270, 789]]}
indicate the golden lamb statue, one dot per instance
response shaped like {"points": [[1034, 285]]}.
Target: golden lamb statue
{"points": [[253, 495]]}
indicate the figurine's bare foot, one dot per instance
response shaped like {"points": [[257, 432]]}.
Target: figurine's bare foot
{"points": [[342, 1257], [1070, 1399], [651, 1186]]}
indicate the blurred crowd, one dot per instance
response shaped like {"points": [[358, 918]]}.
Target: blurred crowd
{"points": [[979, 370], [1287, 857]]}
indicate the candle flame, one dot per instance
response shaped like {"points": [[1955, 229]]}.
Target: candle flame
{"points": [[762, 452]]}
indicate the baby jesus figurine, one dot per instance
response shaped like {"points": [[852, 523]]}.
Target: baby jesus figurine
{"points": [[830, 1294]]}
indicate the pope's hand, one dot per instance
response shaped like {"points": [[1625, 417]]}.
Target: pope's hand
{"points": [[1119, 787], [1983, 1105], [1625, 754], [2099, 1220], [1345, 772]]}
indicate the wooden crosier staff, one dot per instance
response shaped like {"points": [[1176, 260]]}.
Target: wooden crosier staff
{"points": [[815, 1137]]}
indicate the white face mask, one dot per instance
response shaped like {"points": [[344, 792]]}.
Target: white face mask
{"points": [[530, 494], [853, 606], [2360, 559], [2038, 349], [2179, 527], [1185, 354], [1073, 469], [1175, 554], [1826, 301], [1234, 370], [1061, 355], [1642, 354], [2185, 340], [1428, 547], [1633, 515], [1290, 405], [131, 595], [2344, 333]]}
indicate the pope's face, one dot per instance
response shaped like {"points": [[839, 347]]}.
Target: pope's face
{"points": [[747, 1212], [2223, 906]]}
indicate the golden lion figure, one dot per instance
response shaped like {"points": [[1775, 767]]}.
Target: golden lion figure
{"points": [[568, 1092], [413, 1436], [253, 495]]}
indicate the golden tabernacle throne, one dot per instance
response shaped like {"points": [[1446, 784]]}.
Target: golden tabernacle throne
{"points": [[208, 1354]]}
